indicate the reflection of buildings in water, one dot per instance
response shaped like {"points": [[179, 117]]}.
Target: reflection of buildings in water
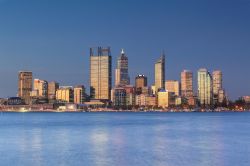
{"points": [[36, 144], [100, 138], [119, 146], [160, 145], [212, 146]]}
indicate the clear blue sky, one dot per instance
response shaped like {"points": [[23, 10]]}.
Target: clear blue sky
{"points": [[52, 38]]}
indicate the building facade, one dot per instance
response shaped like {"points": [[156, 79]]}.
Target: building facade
{"points": [[187, 84], [164, 98], [121, 73], [41, 86], [79, 94], [52, 88], [173, 86], [140, 82], [25, 85], [65, 94], [160, 73], [119, 97], [217, 85], [100, 73], [205, 88]]}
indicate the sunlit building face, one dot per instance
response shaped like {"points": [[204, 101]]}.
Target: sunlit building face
{"points": [[65, 94], [79, 94], [205, 87], [100, 73], [160, 73], [187, 84], [173, 86], [42, 87]]}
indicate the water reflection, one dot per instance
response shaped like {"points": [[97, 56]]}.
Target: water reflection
{"points": [[124, 139], [99, 141]]}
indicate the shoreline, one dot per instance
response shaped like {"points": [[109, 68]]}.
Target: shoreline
{"points": [[119, 111]]}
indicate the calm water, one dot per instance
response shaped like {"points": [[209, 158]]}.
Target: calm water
{"points": [[141, 139]]}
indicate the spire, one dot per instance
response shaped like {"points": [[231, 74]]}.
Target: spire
{"points": [[122, 52]]}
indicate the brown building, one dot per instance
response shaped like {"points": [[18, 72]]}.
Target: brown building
{"points": [[187, 84], [25, 85], [52, 88], [140, 82]]}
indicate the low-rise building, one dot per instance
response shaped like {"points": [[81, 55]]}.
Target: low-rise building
{"points": [[65, 94]]}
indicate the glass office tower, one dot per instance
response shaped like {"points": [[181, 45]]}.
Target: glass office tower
{"points": [[100, 73], [205, 88], [160, 73]]}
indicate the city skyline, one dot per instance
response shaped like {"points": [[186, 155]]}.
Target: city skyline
{"points": [[103, 57], [40, 46]]}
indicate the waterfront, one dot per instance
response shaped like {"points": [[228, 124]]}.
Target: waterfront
{"points": [[125, 139]]}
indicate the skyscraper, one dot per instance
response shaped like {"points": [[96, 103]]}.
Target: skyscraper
{"points": [[140, 82], [160, 73], [100, 73], [217, 85], [205, 88], [121, 72], [187, 84], [25, 85], [41, 86]]}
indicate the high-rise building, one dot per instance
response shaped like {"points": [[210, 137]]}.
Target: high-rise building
{"points": [[173, 86], [52, 88], [205, 88], [121, 72], [25, 85], [217, 85], [187, 84], [160, 73], [100, 73], [79, 94], [140, 82], [41, 86], [65, 94]]}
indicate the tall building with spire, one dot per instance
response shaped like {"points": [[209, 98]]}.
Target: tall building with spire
{"points": [[160, 73], [100, 73], [205, 88], [121, 72]]}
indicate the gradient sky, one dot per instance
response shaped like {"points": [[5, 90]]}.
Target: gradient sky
{"points": [[52, 38]]}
